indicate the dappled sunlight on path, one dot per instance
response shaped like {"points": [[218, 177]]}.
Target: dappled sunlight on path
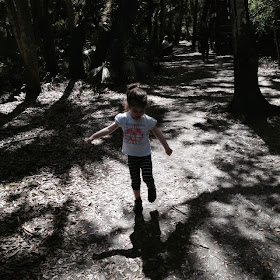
{"points": [[217, 213]]}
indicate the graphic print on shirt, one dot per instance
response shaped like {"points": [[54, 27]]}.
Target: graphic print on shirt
{"points": [[133, 134]]}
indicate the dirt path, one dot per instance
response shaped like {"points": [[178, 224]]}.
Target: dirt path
{"points": [[217, 215]]}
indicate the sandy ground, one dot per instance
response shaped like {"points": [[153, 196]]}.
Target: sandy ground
{"points": [[66, 209]]}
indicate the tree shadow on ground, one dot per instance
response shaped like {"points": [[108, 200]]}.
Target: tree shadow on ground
{"points": [[34, 250], [23, 264], [206, 84], [268, 128], [250, 257], [48, 138], [177, 255], [238, 221], [51, 138]]}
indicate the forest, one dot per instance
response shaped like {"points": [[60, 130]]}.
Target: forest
{"points": [[67, 209], [120, 40]]}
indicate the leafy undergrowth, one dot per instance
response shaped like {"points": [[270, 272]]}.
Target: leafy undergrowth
{"points": [[66, 209]]}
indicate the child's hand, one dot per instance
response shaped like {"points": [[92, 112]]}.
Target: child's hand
{"points": [[168, 151], [89, 142]]}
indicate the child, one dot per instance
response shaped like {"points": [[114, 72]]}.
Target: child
{"points": [[166, 47], [136, 126]]}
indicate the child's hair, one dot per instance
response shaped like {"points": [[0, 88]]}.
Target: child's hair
{"points": [[135, 96]]}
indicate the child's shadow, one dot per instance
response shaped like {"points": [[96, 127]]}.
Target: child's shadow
{"points": [[146, 244]]}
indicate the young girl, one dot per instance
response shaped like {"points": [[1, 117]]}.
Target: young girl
{"points": [[136, 126]]}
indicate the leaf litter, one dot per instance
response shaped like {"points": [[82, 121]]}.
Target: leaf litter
{"points": [[216, 215]]}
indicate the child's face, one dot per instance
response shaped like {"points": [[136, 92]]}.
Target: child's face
{"points": [[136, 112]]}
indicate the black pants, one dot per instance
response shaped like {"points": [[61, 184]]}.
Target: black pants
{"points": [[144, 164], [167, 51], [204, 50]]}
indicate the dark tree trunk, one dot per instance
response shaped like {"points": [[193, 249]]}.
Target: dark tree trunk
{"points": [[194, 35], [153, 44], [99, 56], [187, 19], [205, 10], [19, 13], [247, 95], [162, 19], [179, 21], [156, 31], [170, 26], [276, 40], [76, 65], [121, 32], [149, 18], [45, 31]]}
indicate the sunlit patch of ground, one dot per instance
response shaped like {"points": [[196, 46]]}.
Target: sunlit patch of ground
{"points": [[217, 212]]}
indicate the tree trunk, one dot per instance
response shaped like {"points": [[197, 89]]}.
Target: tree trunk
{"points": [[121, 32], [149, 18], [169, 29], [153, 44], [179, 21], [45, 31], [194, 35], [19, 14], [70, 14], [187, 20], [156, 29], [276, 44], [99, 56], [247, 95], [205, 11], [162, 19], [76, 65]]}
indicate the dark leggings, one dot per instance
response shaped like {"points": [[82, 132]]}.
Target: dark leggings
{"points": [[145, 164]]}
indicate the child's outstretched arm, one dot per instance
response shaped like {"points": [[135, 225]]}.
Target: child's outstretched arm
{"points": [[103, 132], [157, 132]]}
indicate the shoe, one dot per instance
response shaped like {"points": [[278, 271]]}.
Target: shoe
{"points": [[138, 208], [152, 194]]}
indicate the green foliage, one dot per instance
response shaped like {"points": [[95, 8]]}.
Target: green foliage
{"points": [[263, 14], [125, 34], [100, 74]]}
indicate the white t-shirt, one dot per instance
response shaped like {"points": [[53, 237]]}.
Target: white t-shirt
{"points": [[136, 140], [165, 44]]}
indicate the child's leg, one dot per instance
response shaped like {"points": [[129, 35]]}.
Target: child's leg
{"points": [[134, 169], [137, 194], [147, 173]]}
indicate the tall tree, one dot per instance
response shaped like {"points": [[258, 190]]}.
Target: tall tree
{"points": [[247, 95], [195, 16], [19, 13], [101, 34], [122, 33], [181, 10], [162, 18], [44, 30], [149, 18], [187, 19], [76, 28]]}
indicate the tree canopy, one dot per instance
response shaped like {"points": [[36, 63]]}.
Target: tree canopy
{"points": [[265, 16]]}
